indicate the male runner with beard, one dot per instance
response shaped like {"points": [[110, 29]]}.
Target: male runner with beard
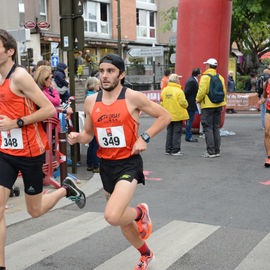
{"points": [[112, 115]]}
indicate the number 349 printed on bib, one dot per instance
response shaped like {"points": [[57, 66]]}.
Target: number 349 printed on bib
{"points": [[111, 137]]}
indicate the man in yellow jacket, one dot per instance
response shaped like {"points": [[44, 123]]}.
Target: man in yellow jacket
{"points": [[211, 111], [174, 101]]}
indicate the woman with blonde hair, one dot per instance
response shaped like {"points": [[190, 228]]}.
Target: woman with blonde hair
{"points": [[43, 78]]}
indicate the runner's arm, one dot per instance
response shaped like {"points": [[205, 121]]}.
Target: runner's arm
{"points": [[87, 133], [163, 118], [153, 109], [23, 83]]}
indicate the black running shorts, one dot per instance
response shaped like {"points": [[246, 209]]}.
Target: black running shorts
{"points": [[112, 171], [267, 111], [30, 167]]}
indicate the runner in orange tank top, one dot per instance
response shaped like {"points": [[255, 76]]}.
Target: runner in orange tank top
{"points": [[22, 140], [112, 115], [266, 98]]}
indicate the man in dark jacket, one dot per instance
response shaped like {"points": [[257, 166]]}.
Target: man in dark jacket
{"points": [[61, 82], [191, 89]]}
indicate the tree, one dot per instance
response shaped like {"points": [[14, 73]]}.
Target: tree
{"points": [[250, 30]]}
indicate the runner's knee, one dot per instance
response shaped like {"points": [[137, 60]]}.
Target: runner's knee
{"points": [[34, 212], [112, 218]]}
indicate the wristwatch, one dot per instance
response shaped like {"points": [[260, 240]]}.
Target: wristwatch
{"points": [[145, 137], [20, 122]]}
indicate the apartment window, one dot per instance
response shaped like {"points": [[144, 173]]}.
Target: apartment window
{"points": [[96, 17], [21, 13], [146, 24], [43, 10]]}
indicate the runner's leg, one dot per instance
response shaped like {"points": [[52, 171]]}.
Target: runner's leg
{"points": [[267, 133], [39, 204], [4, 195], [118, 212]]}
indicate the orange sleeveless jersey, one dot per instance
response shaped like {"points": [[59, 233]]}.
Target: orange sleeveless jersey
{"points": [[30, 140], [115, 129], [268, 96]]}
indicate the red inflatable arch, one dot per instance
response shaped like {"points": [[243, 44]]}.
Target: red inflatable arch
{"points": [[203, 31]]}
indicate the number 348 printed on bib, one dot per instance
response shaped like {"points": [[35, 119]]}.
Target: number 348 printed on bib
{"points": [[12, 139]]}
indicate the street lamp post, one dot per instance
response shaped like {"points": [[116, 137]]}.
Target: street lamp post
{"points": [[119, 28]]}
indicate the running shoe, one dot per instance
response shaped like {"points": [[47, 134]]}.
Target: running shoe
{"points": [[74, 193], [177, 154], [267, 163], [145, 223], [144, 261], [207, 155]]}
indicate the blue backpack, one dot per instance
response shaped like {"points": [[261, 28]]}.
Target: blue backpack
{"points": [[216, 91]]}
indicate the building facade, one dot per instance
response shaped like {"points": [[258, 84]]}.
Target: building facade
{"points": [[139, 27]]}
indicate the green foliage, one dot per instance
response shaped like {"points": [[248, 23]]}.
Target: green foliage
{"points": [[266, 61], [240, 83], [168, 16]]}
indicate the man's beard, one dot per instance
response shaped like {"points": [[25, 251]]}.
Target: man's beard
{"points": [[112, 87]]}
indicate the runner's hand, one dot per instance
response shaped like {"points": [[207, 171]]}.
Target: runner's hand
{"points": [[139, 146], [73, 137], [7, 123]]}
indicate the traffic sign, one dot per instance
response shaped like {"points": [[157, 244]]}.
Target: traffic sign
{"points": [[43, 25], [173, 58], [30, 25], [55, 61], [146, 51]]}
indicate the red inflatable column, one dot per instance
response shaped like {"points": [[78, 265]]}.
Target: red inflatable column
{"points": [[203, 31]]}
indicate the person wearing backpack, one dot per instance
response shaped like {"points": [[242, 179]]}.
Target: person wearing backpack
{"points": [[212, 97], [259, 89]]}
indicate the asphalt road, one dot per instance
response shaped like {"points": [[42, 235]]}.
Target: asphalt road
{"points": [[208, 214]]}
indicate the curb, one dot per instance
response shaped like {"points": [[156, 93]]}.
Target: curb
{"points": [[92, 186]]}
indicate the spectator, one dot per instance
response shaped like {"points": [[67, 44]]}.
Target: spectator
{"points": [[61, 82], [191, 89], [211, 112], [164, 80], [231, 88], [259, 89], [40, 63], [253, 81], [80, 65], [43, 78], [231, 82], [247, 85], [88, 60], [92, 86], [174, 101]]}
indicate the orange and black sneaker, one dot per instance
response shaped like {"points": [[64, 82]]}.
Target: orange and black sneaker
{"points": [[267, 162], [144, 261], [145, 223]]}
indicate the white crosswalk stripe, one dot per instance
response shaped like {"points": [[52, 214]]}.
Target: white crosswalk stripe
{"points": [[169, 243], [258, 258], [34, 248]]}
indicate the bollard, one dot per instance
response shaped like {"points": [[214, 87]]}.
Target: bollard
{"points": [[63, 151]]}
